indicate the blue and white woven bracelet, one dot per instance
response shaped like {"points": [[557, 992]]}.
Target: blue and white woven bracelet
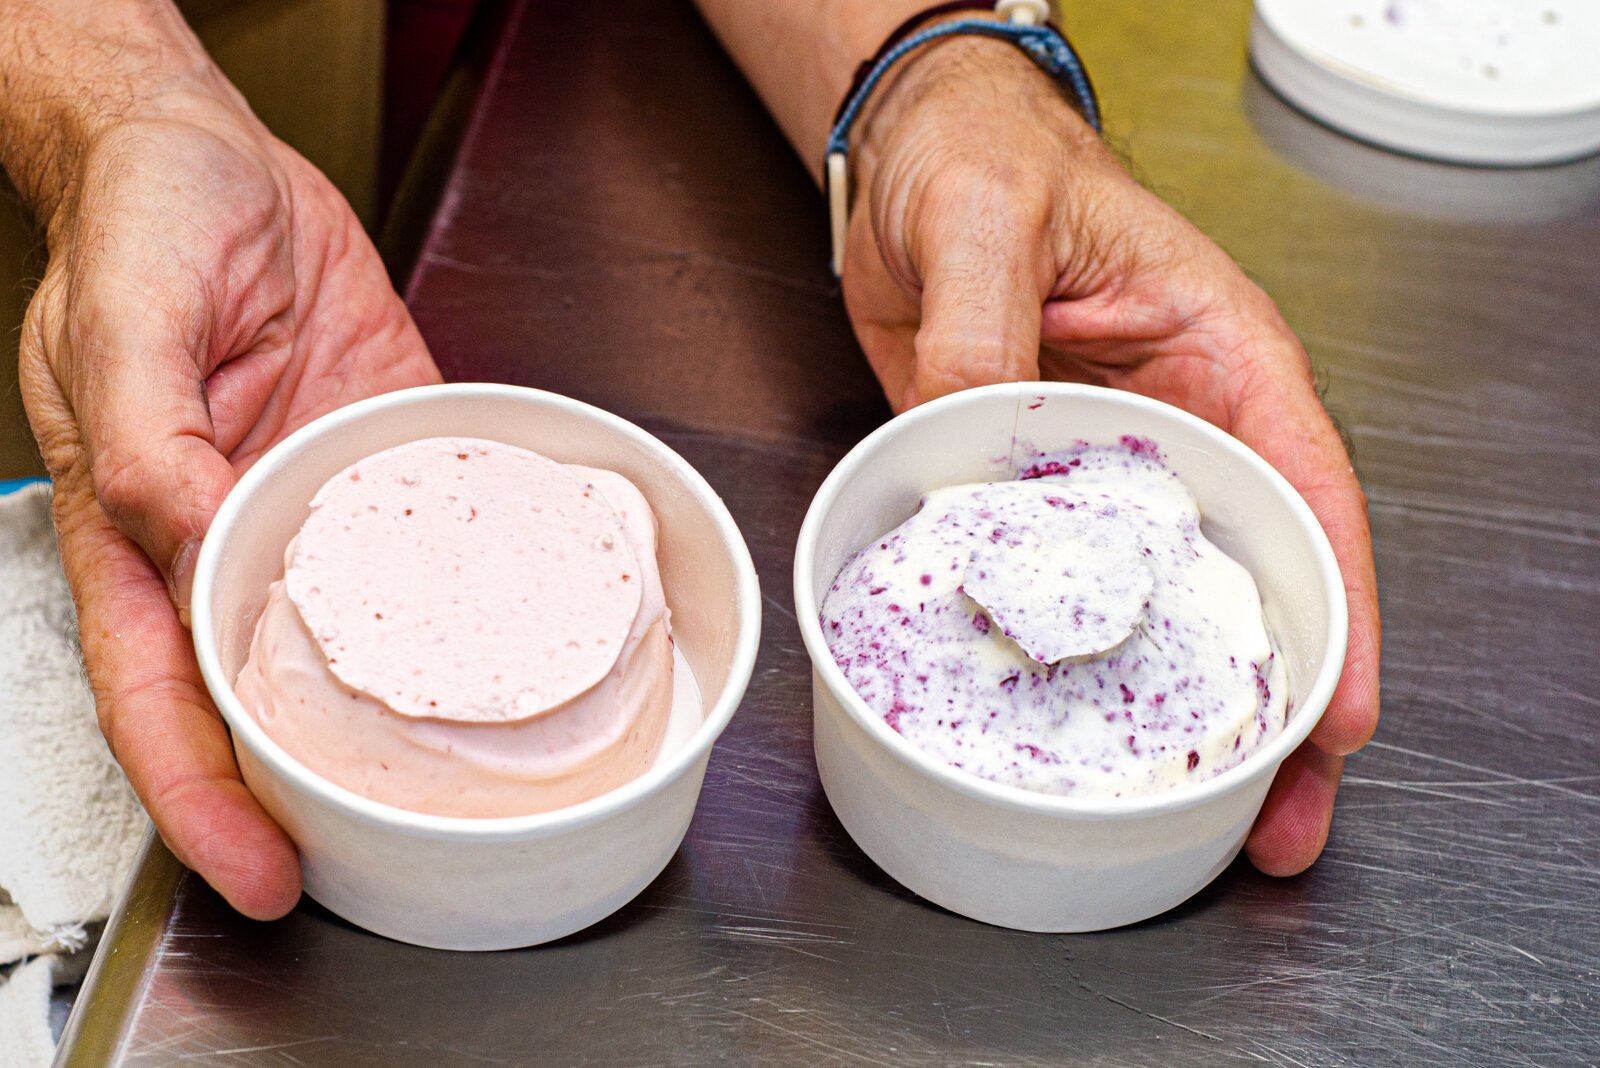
{"points": [[1025, 26]]}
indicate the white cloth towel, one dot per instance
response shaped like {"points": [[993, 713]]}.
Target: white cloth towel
{"points": [[69, 823]]}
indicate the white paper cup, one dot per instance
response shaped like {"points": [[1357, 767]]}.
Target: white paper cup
{"points": [[1010, 856], [456, 883]]}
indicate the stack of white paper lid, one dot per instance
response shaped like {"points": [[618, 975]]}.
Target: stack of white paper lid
{"points": [[1501, 82]]}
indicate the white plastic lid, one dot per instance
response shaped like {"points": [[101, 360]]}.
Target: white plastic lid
{"points": [[1508, 82]]}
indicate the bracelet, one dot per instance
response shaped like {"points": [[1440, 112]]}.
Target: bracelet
{"points": [[1026, 26]]}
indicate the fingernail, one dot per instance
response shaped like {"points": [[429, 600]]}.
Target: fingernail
{"points": [[181, 583]]}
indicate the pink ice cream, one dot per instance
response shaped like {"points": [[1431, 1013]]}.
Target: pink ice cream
{"points": [[466, 628]]}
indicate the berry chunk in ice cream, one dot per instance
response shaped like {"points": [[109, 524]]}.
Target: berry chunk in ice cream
{"points": [[467, 628], [1071, 632]]}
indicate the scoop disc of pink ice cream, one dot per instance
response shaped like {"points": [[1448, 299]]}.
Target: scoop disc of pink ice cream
{"points": [[500, 595], [453, 579]]}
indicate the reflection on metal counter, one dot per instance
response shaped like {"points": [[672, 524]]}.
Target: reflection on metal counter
{"points": [[1417, 187]]}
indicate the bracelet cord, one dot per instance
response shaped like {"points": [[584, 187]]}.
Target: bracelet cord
{"points": [[900, 33]]}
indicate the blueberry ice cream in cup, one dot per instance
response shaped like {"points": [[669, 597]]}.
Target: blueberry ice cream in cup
{"points": [[1062, 638]]}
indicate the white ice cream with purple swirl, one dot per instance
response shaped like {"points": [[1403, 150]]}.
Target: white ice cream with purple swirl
{"points": [[1071, 632]]}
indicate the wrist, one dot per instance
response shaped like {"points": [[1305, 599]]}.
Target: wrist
{"points": [[961, 80], [73, 71], [853, 31]]}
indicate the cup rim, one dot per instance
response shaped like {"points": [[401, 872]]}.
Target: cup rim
{"points": [[1263, 761], [493, 828]]}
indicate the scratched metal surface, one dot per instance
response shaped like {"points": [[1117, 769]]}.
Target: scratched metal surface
{"points": [[625, 226]]}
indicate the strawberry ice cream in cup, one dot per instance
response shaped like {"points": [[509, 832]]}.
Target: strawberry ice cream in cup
{"points": [[474, 644]]}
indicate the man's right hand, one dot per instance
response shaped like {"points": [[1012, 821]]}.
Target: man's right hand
{"points": [[207, 292]]}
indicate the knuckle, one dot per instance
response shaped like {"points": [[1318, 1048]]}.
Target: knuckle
{"points": [[160, 493], [971, 183], [1358, 494], [969, 357], [995, 194], [123, 476], [74, 511], [142, 721], [1348, 738], [41, 310], [49, 416], [949, 362], [936, 381], [41, 323]]}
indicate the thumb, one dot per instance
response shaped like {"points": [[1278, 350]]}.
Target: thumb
{"points": [[132, 372], [984, 283]]}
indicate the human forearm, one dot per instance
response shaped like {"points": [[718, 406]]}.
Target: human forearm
{"points": [[207, 293], [71, 68], [800, 56]]}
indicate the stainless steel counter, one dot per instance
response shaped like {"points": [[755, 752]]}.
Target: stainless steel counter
{"points": [[624, 225]]}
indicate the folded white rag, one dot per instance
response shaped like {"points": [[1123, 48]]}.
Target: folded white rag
{"points": [[69, 823]]}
